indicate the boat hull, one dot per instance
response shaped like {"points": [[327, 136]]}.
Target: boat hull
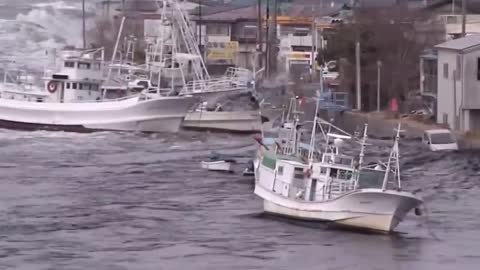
{"points": [[368, 209], [240, 121], [163, 114], [216, 166]]}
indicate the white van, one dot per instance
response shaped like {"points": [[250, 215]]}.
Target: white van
{"points": [[440, 139]]}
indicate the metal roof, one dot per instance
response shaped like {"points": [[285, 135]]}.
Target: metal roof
{"points": [[461, 44]]}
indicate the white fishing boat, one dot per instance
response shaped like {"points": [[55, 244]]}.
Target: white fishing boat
{"points": [[219, 165], [73, 99], [330, 186], [336, 188]]}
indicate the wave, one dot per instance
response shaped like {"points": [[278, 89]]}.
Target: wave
{"points": [[46, 25]]}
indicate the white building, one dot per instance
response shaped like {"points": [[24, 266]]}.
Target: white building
{"points": [[458, 98]]}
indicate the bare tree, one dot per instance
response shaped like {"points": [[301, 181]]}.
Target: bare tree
{"points": [[396, 37]]}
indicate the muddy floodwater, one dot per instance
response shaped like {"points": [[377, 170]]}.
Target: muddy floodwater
{"points": [[123, 201]]}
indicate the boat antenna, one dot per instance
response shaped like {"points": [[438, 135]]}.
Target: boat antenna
{"points": [[315, 119], [363, 144], [394, 154]]}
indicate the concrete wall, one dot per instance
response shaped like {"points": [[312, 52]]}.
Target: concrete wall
{"points": [[446, 93], [472, 84]]}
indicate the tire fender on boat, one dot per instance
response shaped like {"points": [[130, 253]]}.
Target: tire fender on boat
{"points": [[52, 86]]}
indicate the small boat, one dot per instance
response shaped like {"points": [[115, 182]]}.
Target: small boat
{"points": [[217, 163], [220, 165], [439, 140]]}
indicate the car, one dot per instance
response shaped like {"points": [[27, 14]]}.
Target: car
{"points": [[440, 140]]}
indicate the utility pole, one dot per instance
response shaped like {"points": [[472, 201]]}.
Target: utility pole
{"points": [[83, 25], [259, 33], [379, 67], [464, 17], [359, 87], [274, 55], [200, 31], [267, 43], [314, 28]]}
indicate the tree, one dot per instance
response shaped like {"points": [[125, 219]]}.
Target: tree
{"points": [[396, 36]]}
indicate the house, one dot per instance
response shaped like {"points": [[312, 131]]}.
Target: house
{"points": [[458, 73]]}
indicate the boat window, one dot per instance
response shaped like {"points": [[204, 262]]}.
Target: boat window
{"points": [[323, 170], [143, 83], [333, 173], [67, 86], [83, 65], [95, 87], [280, 170], [97, 66], [442, 138], [74, 85], [69, 64], [343, 161], [80, 86], [342, 174]]}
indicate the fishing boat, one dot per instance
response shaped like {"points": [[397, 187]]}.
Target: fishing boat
{"points": [[73, 99], [331, 186]]}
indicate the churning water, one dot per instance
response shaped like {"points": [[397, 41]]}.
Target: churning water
{"points": [[115, 201]]}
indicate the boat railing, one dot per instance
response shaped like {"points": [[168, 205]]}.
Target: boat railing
{"points": [[212, 85], [336, 188], [19, 78]]}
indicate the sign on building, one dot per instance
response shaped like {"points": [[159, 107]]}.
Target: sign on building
{"points": [[222, 53]]}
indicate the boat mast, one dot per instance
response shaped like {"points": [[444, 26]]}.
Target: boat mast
{"points": [[363, 144], [315, 119], [394, 154], [116, 47]]}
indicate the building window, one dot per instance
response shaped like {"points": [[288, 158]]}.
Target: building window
{"points": [[80, 86], [478, 69], [445, 70], [69, 64], [216, 29], [280, 170]]}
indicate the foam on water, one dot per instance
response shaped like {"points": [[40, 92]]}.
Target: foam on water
{"points": [[25, 39]]}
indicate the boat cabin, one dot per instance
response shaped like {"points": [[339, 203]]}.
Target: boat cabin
{"points": [[77, 78]]}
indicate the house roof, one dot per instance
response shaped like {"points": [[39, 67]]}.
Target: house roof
{"points": [[230, 14], [461, 44]]}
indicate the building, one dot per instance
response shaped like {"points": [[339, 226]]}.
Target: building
{"points": [[458, 97]]}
